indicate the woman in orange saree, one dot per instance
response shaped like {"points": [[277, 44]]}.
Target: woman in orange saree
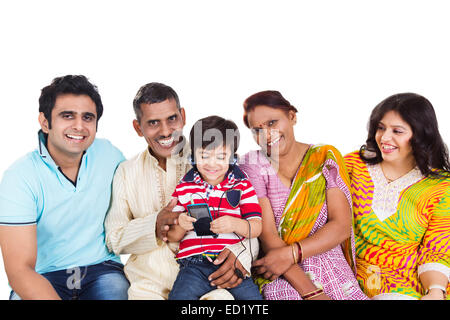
{"points": [[307, 236]]}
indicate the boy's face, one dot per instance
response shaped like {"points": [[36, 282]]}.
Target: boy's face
{"points": [[213, 163]]}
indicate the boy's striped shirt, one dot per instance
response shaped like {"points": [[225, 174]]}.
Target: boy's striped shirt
{"points": [[194, 190]]}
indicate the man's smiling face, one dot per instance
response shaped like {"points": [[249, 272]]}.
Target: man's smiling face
{"points": [[73, 126], [161, 125]]}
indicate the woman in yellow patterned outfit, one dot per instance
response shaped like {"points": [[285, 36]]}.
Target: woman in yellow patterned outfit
{"points": [[400, 185]]}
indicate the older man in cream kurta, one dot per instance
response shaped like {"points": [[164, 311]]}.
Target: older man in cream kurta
{"points": [[141, 189]]}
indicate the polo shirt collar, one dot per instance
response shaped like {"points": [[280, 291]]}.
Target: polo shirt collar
{"points": [[43, 151], [42, 147], [47, 158], [42, 139]]}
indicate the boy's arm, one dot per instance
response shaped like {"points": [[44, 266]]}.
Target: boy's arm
{"points": [[19, 249], [235, 256], [250, 228], [250, 210], [251, 213]]}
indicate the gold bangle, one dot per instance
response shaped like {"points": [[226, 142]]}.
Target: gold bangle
{"points": [[313, 294], [316, 295], [294, 253]]}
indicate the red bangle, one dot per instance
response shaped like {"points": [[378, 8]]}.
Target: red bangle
{"points": [[300, 252], [312, 294], [294, 253]]}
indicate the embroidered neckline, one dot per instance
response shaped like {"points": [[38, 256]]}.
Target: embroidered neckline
{"points": [[386, 195], [161, 175]]}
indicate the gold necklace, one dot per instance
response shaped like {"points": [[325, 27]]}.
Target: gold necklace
{"points": [[389, 180]]}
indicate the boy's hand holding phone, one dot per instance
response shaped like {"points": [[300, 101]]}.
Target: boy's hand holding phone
{"points": [[186, 222]]}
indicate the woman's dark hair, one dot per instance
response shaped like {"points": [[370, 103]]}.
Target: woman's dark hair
{"points": [[69, 84], [212, 132], [269, 98], [429, 150]]}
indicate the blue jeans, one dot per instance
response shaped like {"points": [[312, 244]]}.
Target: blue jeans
{"points": [[192, 281], [103, 281]]}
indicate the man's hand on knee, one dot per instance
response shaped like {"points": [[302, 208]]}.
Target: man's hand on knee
{"points": [[225, 276]]}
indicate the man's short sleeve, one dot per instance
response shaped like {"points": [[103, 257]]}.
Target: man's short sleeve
{"points": [[17, 199]]}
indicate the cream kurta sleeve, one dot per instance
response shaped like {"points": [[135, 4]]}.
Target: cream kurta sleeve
{"points": [[140, 190], [126, 234]]}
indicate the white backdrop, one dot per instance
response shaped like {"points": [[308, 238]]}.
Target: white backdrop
{"points": [[333, 60]]}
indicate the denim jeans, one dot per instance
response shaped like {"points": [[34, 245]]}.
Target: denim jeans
{"points": [[192, 281], [103, 281]]}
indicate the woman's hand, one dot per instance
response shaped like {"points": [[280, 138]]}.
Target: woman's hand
{"points": [[275, 263], [429, 280]]}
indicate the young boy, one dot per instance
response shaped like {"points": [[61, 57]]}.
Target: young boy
{"points": [[217, 181]]}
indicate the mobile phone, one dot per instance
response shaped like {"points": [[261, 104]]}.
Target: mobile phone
{"points": [[201, 212]]}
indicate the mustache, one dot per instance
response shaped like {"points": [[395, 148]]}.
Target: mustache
{"points": [[177, 135]]}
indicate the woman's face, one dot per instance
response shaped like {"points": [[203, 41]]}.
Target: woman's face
{"points": [[393, 137], [273, 129]]}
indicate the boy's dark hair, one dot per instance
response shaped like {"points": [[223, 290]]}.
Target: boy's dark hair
{"points": [[153, 92], [69, 84], [212, 132]]}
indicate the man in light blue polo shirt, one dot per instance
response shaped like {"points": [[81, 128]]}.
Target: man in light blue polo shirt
{"points": [[53, 203]]}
